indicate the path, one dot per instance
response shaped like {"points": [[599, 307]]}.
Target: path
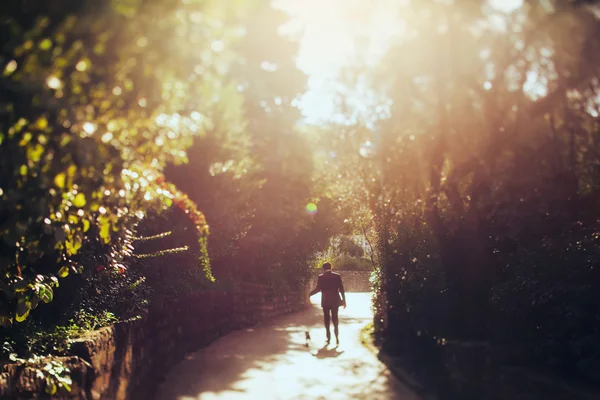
{"points": [[271, 362]]}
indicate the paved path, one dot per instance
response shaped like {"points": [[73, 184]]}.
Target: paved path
{"points": [[271, 362]]}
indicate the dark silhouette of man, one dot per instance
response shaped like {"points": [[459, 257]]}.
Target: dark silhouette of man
{"points": [[330, 285]]}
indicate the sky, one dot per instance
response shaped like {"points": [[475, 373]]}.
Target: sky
{"points": [[327, 44]]}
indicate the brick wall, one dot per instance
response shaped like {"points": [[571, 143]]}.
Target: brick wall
{"points": [[354, 281], [126, 360]]}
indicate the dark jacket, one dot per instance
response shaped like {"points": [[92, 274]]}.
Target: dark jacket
{"points": [[330, 285]]}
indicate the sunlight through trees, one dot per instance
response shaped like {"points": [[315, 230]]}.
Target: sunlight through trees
{"points": [[149, 148]]}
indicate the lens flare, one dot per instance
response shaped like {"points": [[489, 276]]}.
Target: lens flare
{"points": [[311, 208], [367, 149]]}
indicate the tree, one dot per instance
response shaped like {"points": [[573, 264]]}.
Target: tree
{"points": [[484, 160], [254, 184]]}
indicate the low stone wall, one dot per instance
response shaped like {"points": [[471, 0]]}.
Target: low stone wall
{"points": [[127, 360], [354, 281]]}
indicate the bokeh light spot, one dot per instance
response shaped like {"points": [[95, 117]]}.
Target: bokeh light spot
{"points": [[53, 82], [367, 149], [311, 208]]}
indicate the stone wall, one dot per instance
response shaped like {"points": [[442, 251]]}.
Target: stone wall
{"points": [[354, 281], [127, 360]]}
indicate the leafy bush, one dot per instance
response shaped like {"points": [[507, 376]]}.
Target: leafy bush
{"points": [[86, 128], [347, 262], [481, 191]]}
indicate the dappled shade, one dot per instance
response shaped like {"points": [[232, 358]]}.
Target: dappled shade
{"points": [[447, 149], [272, 361]]}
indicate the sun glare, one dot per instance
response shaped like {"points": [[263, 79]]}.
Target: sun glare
{"points": [[506, 6], [332, 35], [328, 33]]}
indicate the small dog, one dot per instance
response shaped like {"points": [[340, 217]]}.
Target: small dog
{"points": [[307, 335]]}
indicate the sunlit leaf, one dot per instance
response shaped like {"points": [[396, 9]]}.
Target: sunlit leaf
{"points": [[41, 123], [10, 67], [46, 44], [104, 225], [25, 140], [63, 272], [46, 294], [35, 153], [59, 180], [21, 317], [79, 200], [22, 311], [51, 387], [21, 286], [73, 245]]}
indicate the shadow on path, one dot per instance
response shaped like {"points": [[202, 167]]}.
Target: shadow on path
{"points": [[326, 352], [272, 361]]}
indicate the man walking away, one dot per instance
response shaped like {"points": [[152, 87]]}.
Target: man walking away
{"points": [[330, 285]]}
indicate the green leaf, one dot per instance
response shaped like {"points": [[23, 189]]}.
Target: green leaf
{"points": [[41, 123], [35, 153], [59, 180], [50, 386], [80, 200], [22, 311], [46, 294], [63, 272], [25, 139], [104, 224], [46, 44], [73, 245], [65, 380]]}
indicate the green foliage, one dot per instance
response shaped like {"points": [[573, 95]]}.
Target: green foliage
{"points": [[173, 274], [96, 99], [477, 182], [33, 343], [345, 254], [348, 246], [32, 338], [472, 188], [254, 183], [55, 374], [347, 262]]}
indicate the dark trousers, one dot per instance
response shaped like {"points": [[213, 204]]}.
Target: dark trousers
{"points": [[331, 313]]}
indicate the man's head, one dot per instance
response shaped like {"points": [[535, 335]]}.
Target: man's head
{"points": [[327, 266]]}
